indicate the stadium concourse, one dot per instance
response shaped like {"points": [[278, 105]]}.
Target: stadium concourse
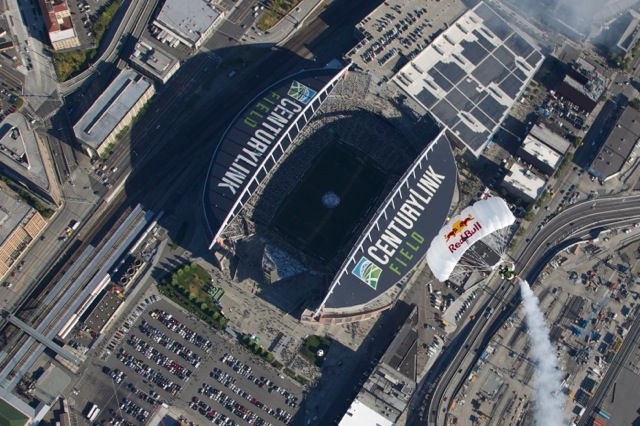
{"points": [[320, 163]]}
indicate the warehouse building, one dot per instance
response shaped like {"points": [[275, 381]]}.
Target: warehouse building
{"points": [[187, 22], [153, 61], [619, 148], [113, 111], [57, 20]]}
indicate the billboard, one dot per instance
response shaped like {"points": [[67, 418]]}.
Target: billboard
{"points": [[398, 236], [258, 137]]}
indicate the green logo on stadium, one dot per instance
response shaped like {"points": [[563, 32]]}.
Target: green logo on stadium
{"points": [[301, 92], [368, 272]]}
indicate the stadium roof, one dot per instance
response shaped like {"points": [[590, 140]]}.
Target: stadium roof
{"points": [[399, 234], [257, 138], [471, 74]]}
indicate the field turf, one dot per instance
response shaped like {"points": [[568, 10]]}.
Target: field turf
{"points": [[320, 231]]}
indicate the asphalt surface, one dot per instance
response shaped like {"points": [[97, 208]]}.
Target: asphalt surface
{"points": [[97, 386], [574, 224], [612, 374]]}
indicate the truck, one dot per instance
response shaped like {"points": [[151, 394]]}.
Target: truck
{"points": [[92, 412], [73, 226]]}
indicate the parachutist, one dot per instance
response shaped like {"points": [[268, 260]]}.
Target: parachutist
{"points": [[506, 272]]}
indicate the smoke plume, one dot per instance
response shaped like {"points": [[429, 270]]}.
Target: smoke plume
{"points": [[547, 393]]}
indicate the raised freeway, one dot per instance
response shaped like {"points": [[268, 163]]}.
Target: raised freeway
{"points": [[134, 15], [577, 223]]}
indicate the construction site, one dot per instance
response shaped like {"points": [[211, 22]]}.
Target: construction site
{"points": [[589, 299]]}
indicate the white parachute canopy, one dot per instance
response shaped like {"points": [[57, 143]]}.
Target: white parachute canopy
{"points": [[476, 222]]}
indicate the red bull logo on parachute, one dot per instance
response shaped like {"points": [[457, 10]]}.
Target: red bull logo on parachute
{"points": [[461, 228], [457, 227]]}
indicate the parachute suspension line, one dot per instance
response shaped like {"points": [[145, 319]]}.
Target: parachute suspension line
{"points": [[475, 260], [459, 274], [498, 240]]}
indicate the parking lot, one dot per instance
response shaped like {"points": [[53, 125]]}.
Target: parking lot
{"points": [[165, 356], [398, 30]]}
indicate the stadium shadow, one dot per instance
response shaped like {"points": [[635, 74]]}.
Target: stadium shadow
{"points": [[345, 368]]}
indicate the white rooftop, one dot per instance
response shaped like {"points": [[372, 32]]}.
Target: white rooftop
{"points": [[553, 140], [470, 75], [359, 414], [541, 151], [188, 18], [110, 108], [524, 180], [153, 58]]}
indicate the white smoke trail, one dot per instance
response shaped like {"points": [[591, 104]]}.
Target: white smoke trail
{"points": [[547, 392]]}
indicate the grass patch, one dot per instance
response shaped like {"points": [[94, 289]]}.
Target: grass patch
{"points": [[28, 197], [277, 10], [104, 20], [296, 377], [122, 133], [188, 286], [70, 64], [320, 231], [311, 347]]}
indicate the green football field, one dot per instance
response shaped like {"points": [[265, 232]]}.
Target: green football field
{"points": [[320, 231]]}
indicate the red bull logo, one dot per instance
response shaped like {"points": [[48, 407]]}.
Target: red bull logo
{"points": [[457, 227], [464, 236]]}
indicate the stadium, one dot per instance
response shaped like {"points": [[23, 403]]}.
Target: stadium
{"points": [[331, 175]]}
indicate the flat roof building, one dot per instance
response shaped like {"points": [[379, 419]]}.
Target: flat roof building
{"points": [[154, 61], [103, 311], [469, 77], [24, 158], [629, 36], [619, 148], [57, 19], [20, 225], [386, 393], [113, 111], [550, 138], [543, 149], [583, 85], [188, 22], [520, 182]]}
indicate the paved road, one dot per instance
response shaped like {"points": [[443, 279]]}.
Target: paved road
{"points": [[576, 222], [130, 14], [40, 88]]}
